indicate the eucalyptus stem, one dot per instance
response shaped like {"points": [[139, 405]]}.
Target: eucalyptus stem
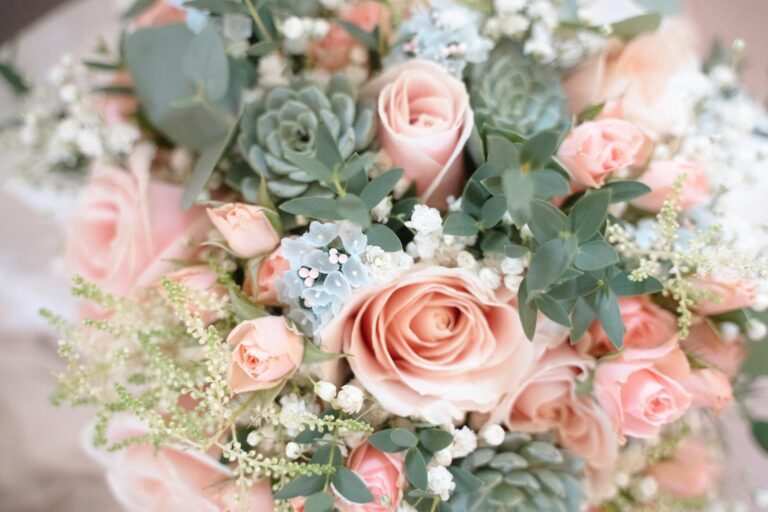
{"points": [[259, 22]]}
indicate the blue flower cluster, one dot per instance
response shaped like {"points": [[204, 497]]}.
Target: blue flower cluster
{"points": [[446, 33], [325, 268]]}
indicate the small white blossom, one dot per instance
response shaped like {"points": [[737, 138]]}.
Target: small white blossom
{"points": [[756, 330], [730, 331], [509, 6], [489, 278], [647, 488], [425, 220], [236, 26], [350, 399], [292, 451], [492, 435], [320, 28], [293, 28], [325, 390], [444, 457], [254, 438], [272, 70], [89, 143], [512, 283], [381, 211], [464, 259], [540, 44], [514, 266], [761, 302], [464, 442], [440, 482]]}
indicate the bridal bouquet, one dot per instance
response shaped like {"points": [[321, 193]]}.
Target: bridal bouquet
{"points": [[343, 255]]}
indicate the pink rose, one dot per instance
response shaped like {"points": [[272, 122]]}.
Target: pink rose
{"points": [[145, 479], [705, 343], [247, 228], [162, 12], [646, 325], [199, 278], [709, 388], [425, 121], [643, 81], [724, 294], [261, 276], [661, 176], [642, 389], [333, 51], [434, 343], [691, 472], [128, 228], [383, 473], [266, 353], [547, 400], [596, 149]]}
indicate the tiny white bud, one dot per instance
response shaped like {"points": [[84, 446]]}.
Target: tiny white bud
{"points": [[730, 331], [622, 478], [325, 390], [292, 451], [648, 488], [761, 302], [756, 330], [492, 435], [464, 442], [440, 482], [293, 28], [254, 438], [443, 457], [350, 399]]}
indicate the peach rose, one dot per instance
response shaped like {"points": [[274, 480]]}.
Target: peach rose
{"points": [[383, 473], [199, 278], [547, 400], [646, 81], [709, 388], [661, 176], [425, 121], [691, 472], [261, 276], [145, 479], [332, 52], [162, 12], [705, 342], [646, 325], [127, 227], [246, 228], [643, 389], [434, 343], [266, 353], [596, 149], [724, 294]]}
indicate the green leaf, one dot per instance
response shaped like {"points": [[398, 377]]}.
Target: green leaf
{"points": [[590, 113], [382, 236], [466, 482], [547, 264], [354, 209], [17, 82], [304, 485], [494, 241], [548, 184], [218, 6], [537, 150], [328, 454], [515, 251], [242, 307], [326, 147], [475, 146], [575, 288], [582, 317], [631, 27], [664, 7], [313, 354], [319, 502], [460, 224], [435, 439], [621, 285], [519, 191], [626, 190], [416, 468], [355, 165], [527, 310], [492, 211], [350, 486], [368, 39], [205, 64], [760, 432], [595, 255], [609, 315], [502, 153], [261, 48], [310, 165], [553, 310], [547, 222], [380, 186], [101, 66], [475, 195], [315, 207], [393, 440], [589, 213]]}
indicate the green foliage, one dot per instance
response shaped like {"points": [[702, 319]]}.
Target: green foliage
{"points": [[633, 27], [350, 486], [393, 440]]}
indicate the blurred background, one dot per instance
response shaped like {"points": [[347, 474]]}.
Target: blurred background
{"points": [[41, 464]]}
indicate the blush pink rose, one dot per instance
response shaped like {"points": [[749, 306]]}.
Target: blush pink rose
{"points": [[425, 121], [199, 278], [705, 343], [646, 325], [144, 479], [594, 150], [266, 353], [643, 389], [692, 471], [709, 388], [641, 81], [332, 52], [724, 294], [434, 343], [261, 276], [128, 228], [661, 176], [246, 228], [383, 473], [547, 400]]}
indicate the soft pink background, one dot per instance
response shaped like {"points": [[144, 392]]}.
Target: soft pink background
{"points": [[41, 465]]}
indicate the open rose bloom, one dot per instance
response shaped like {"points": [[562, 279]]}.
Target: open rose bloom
{"points": [[431, 256]]}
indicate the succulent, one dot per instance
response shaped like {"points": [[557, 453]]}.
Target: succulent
{"points": [[523, 474], [286, 122], [513, 92]]}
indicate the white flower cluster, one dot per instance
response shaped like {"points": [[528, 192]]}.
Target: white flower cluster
{"points": [[299, 32], [429, 243], [385, 266], [537, 23]]}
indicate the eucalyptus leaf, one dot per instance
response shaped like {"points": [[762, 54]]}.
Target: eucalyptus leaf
{"points": [[319, 502], [350, 486], [368, 39], [623, 286], [632, 27], [582, 317], [595, 255], [494, 241], [354, 209], [380, 186], [382, 236], [303, 485], [626, 190], [261, 48], [460, 224], [537, 150], [609, 315], [242, 307], [355, 165], [515, 251], [326, 147], [527, 310], [519, 191], [589, 214], [547, 264], [393, 440], [548, 184], [492, 211], [313, 354], [416, 468], [664, 7], [760, 433], [547, 222], [553, 310], [217, 6], [466, 482], [590, 112], [311, 166], [205, 64], [314, 207], [435, 439]]}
